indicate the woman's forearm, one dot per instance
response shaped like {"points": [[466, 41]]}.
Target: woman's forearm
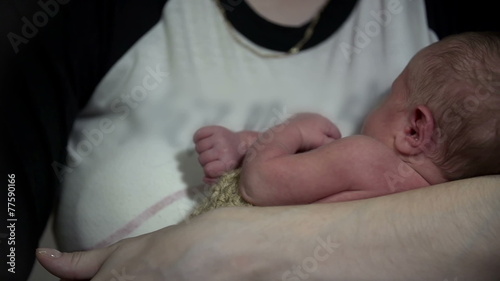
{"points": [[443, 232], [447, 232]]}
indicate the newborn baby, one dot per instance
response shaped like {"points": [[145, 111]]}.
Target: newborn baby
{"points": [[424, 133]]}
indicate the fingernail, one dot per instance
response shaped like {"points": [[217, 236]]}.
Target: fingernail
{"points": [[53, 253]]}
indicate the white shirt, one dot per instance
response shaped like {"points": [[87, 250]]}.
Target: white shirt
{"points": [[132, 168]]}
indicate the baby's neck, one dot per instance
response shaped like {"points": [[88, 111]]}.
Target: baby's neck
{"points": [[426, 168]]}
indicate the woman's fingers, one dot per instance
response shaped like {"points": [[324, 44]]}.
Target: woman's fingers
{"points": [[73, 266]]}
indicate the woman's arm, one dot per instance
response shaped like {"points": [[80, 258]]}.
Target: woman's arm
{"points": [[445, 232]]}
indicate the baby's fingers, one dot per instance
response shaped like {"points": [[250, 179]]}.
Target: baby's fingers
{"points": [[204, 132], [208, 131], [333, 132], [210, 181], [208, 156], [215, 169], [204, 145], [328, 140]]}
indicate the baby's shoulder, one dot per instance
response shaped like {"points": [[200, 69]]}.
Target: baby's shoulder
{"points": [[365, 146]]}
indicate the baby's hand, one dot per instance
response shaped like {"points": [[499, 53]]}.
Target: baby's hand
{"points": [[217, 149], [315, 129]]}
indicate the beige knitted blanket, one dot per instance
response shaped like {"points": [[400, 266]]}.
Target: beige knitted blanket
{"points": [[225, 193]]}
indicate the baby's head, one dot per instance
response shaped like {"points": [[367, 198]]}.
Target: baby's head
{"points": [[458, 80]]}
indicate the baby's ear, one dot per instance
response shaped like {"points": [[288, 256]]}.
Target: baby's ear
{"points": [[418, 134]]}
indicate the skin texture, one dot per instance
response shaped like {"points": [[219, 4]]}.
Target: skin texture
{"points": [[444, 232], [287, 12]]}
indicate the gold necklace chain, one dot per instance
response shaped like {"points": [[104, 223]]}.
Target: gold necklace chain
{"points": [[292, 51]]}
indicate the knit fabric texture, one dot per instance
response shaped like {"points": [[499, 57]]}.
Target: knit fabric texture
{"points": [[224, 193]]}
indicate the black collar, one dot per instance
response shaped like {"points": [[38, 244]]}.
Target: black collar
{"points": [[280, 38]]}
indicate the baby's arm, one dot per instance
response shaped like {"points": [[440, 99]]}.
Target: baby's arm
{"points": [[221, 150], [271, 166], [345, 169], [302, 132]]}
